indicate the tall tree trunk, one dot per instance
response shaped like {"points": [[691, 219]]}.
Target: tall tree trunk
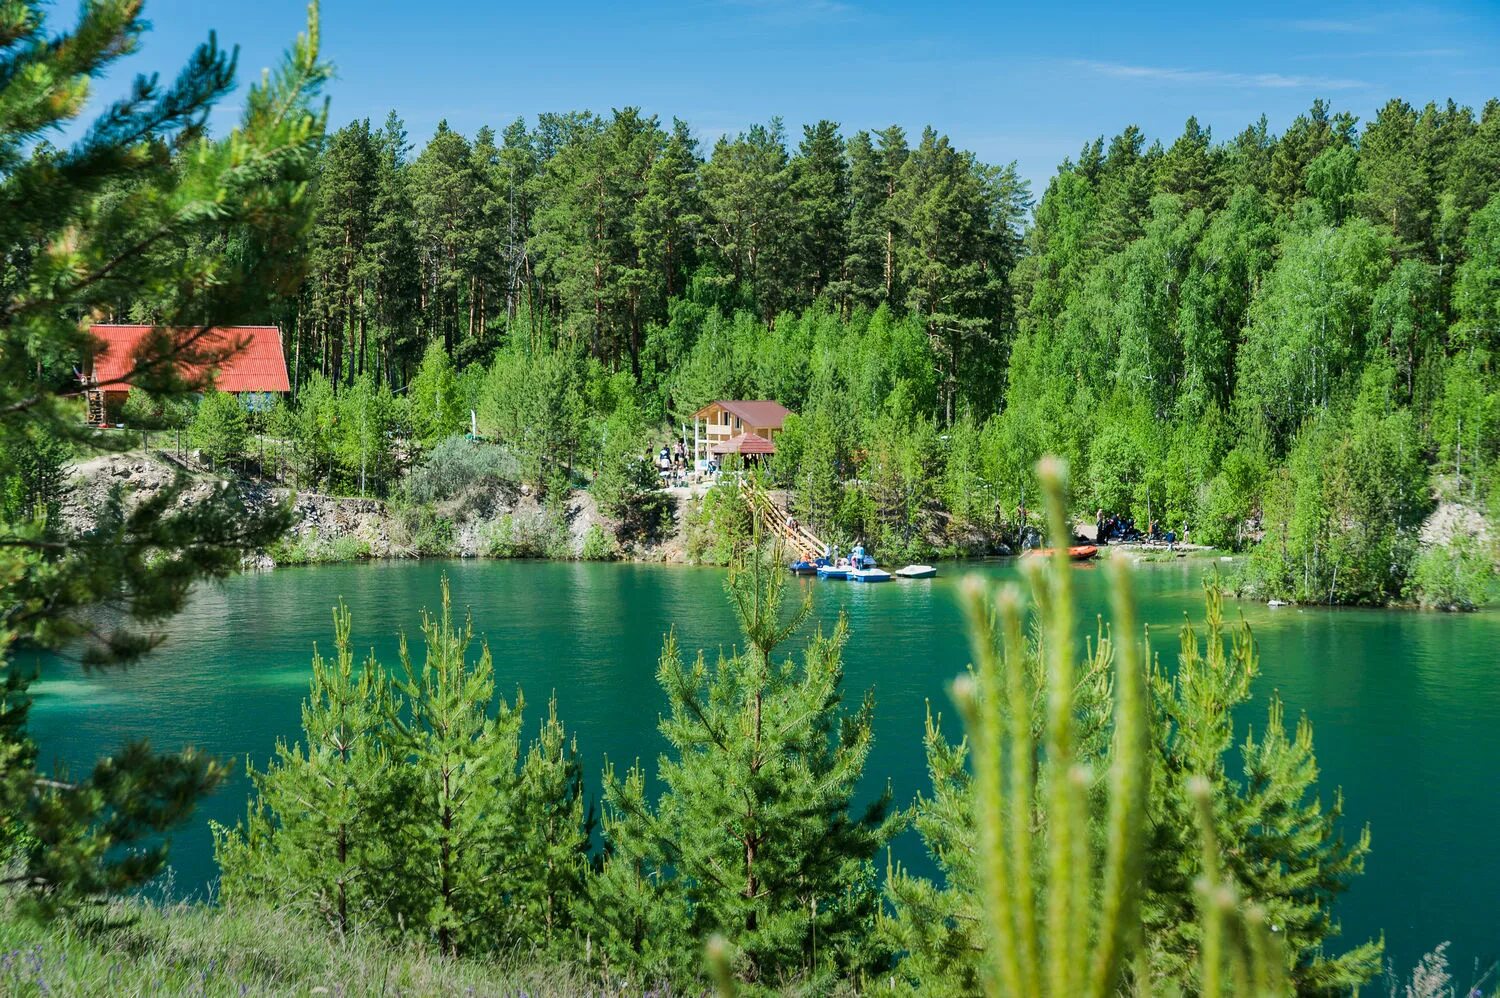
{"points": [[297, 353], [362, 328]]}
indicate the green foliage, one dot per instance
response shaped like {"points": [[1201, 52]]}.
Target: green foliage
{"points": [[597, 545], [1307, 325], [752, 836], [436, 406], [415, 803], [311, 426], [534, 404], [424, 531], [1341, 519], [1221, 861], [139, 209], [33, 476], [313, 548], [367, 415], [219, 428], [538, 533], [1019, 843], [1281, 847], [718, 526], [627, 486], [457, 465], [1466, 422], [1458, 575], [335, 795]]}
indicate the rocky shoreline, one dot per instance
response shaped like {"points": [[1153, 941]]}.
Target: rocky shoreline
{"points": [[374, 528]]}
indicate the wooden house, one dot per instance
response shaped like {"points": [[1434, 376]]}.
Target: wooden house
{"points": [[737, 427], [250, 364]]}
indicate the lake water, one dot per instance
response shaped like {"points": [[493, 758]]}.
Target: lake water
{"points": [[1405, 705]]}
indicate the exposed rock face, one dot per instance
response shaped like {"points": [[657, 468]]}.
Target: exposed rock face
{"points": [[139, 475], [1451, 519], [142, 474], [373, 522]]}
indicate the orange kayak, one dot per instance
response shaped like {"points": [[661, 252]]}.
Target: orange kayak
{"points": [[1082, 552]]}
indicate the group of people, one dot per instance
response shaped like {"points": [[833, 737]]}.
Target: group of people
{"points": [[856, 558], [672, 463], [1110, 528]]}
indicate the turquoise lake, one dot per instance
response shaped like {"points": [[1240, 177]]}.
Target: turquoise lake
{"points": [[1405, 705]]}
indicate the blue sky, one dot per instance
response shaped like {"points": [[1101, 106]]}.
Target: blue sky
{"points": [[1025, 82]]}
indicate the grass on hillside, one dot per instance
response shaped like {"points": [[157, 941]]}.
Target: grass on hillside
{"points": [[195, 949]]}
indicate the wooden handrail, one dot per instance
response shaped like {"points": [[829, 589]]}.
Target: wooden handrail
{"points": [[802, 540]]}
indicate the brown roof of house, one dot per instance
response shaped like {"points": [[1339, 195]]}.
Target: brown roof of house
{"points": [[252, 357], [759, 413], [745, 443]]}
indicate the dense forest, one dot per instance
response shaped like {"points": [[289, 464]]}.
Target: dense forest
{"points": [[1288, 337]]}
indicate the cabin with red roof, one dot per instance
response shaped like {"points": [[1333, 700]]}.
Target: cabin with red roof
{"points": [[745, 427], [253, 363]]}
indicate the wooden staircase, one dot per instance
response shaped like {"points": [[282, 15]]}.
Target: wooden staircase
{"points": [[94, 400], [799, 540]]}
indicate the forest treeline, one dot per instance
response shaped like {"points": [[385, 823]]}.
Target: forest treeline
{"points": [[1283, 336]]}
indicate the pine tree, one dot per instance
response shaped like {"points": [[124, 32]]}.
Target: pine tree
{"points": [[667, 219], [320, 834], [462, 836], [820, 187], [554, 856], [409, 803], [874, 173], [1273, 839], [946, 258], [72, 251], [219, 427], [392, 256], [446, 206], [340, 278], [753, 836], [1283, 848], [747, 195]]}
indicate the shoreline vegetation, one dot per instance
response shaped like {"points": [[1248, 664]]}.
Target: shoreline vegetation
{"points": [[1276, 344], [461, 503]]}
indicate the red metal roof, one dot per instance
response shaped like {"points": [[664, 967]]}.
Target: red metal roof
{"points": [[745, 443], [253, 360], [762, 414]]}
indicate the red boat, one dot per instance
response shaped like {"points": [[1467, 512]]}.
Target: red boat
{"points": [[1083, 552]]}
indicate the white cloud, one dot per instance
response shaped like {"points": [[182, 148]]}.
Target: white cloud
{"points": [[1219, 78]]}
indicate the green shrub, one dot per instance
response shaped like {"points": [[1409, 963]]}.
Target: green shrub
{"points": [[1453, 576], [597, 545], [530, 534], [457, 464], [717, 526], [314, 549], [426, 532]]}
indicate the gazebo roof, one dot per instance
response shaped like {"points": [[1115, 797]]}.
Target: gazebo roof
{"points": [[745, 443]]}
